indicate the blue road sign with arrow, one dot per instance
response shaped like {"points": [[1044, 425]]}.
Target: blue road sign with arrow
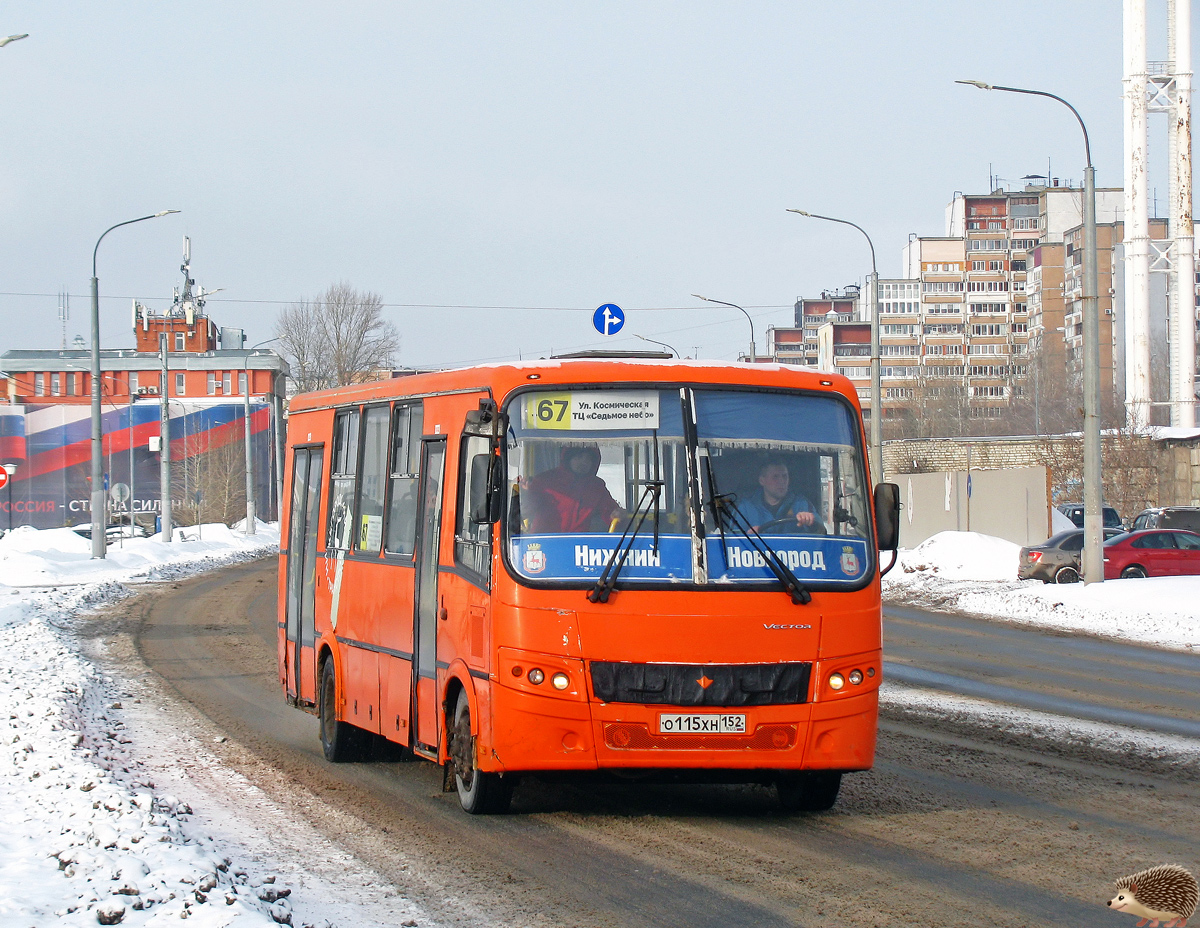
{"points": [[608, 319]]}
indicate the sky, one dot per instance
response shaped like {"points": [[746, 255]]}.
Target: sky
{"points": [[496, 171]]}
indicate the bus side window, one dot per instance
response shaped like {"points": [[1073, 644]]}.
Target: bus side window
{"points": [[368, 536], [342, 480], [402, 495], [472, 541]]}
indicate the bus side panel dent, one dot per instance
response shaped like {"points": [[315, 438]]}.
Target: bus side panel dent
{"points": [[544, 732], [842, 733]]}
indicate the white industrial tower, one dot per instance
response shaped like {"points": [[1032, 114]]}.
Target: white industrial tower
{"points": [[1159, 87]]}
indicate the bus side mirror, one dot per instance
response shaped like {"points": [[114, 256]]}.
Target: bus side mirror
{"points": [[485, 489], [887, 516]]}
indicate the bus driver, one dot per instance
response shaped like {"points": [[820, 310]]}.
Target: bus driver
{"points": [[570, 497], [774, 502]]}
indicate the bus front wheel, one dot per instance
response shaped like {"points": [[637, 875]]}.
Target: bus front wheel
{"points": [[341, 742], [479, 793], [808, 791]]}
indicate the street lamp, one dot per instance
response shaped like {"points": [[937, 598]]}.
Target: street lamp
{"points": [[876, 391], [13, 38], [251, 515], [753, 356], [1093, 490], [654, 342], [98, 506]]}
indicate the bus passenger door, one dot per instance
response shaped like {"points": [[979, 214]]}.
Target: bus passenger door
{"points": [[300, 666], [429, 531]]}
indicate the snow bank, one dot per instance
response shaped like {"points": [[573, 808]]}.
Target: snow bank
{"points": [[976, 574]]}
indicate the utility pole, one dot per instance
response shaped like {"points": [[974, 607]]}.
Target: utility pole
{"points": [[164, 431]]}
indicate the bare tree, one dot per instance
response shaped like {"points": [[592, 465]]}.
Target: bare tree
{"points": [[212, 484], [337, 338]]}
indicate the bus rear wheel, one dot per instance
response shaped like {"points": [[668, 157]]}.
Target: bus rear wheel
{"points": [[808, 791], [479, 793], [341, 742]]}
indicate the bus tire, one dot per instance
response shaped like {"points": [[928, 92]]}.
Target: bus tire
{"points": [[808, 791], [341, 742], [479, 793]]}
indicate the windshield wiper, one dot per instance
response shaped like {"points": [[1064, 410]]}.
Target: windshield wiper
{"points": [[616, 561], [724, 505]]}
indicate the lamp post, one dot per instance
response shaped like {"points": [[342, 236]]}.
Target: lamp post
{"points": [[876, 390], [1093, 489], [13, 38], [753, 356], [251, 515], [98, 507], [655, 342]]}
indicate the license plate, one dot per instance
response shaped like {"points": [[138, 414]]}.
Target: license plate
{"points": [[695, 723]]}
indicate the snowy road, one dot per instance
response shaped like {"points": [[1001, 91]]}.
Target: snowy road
{"points": [[1019, 665], [996, 818]]}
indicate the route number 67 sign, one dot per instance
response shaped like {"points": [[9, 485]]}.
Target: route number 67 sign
{"points": [[592, 410]]}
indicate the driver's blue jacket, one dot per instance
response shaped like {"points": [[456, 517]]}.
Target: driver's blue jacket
{"points": [[758, 512]]}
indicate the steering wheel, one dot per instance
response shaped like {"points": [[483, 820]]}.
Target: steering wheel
{"points": [[790, 526]]}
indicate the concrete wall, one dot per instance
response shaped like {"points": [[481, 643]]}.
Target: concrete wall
{"points": [[1013, 504]]}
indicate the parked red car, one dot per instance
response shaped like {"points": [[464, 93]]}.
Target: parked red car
{"points": [[1152, 553]]}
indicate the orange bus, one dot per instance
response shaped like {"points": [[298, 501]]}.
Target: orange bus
{"points": [[645, 567]]}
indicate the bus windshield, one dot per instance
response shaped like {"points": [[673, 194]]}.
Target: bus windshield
{"points": [[787, 466]]}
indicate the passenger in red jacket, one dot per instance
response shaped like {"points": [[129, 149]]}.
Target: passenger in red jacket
{"points": [[570, 497]]}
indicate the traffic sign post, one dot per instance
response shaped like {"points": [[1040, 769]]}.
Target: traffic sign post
{"points": [[3, 478], [608, 319]]}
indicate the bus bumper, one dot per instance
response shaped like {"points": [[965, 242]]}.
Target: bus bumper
{"points": [[545, 733]]}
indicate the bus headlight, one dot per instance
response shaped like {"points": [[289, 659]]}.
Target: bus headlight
{"points": [[836, 681], [536, 676], [856, 677], [560, 681]]}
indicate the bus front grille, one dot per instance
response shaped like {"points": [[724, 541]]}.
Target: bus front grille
{"points": [[709, 685]]}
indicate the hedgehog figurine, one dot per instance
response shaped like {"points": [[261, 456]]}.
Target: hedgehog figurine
{"points": [[1166, 894]]}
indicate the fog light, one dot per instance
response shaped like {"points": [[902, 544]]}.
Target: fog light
{"points": [[870, 671], [536, 676], [518, 670], [836, 681], [856, 677], [560, 681]]}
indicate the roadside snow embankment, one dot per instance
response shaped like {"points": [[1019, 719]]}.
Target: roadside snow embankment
{"points": [[87, 838], [976, 574]]}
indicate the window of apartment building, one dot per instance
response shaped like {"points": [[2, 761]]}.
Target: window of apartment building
{"points": [[1018, 265], [942, 286], [989, 328], [977, 265], [988, 286], [39, 384], [984, 309], [212, 383], [853, 372], [995, 265], [898, 329], [992, 391], [943, 328], [986, 244], [944, 370], [1018, 307], [987, 349], [973, 224], [995, 224], [70, 384], [1026, 223], [987, 412], [898, 393], [1020, 328], [1019, 286], [242, 383], [179, 384], [179, 337], [1020, 349], [898, 351], [943, 308], [227, 383], [133, 383], [944, 349], [56, 384], [1024, 244]]}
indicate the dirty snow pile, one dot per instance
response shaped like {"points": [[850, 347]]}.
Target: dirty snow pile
{"points": [[977, 574], [87, 838]]}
